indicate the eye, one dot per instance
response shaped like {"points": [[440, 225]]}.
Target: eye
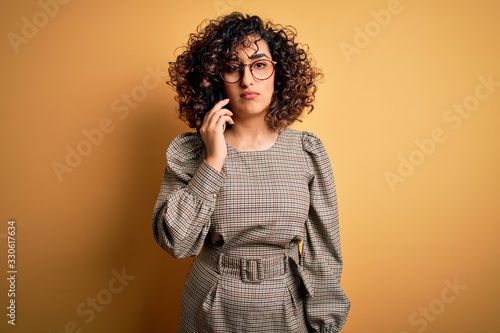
{"points": [[260, 64], [233, 67]]}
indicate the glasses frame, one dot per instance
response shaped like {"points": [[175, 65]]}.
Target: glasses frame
{"points": [[250, 65]]}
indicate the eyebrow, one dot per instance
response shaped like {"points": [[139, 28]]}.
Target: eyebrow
{"points": [[258, 55], [252, 57]]}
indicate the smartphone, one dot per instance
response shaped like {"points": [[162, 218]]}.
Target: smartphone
{"points": [[223, 96]]}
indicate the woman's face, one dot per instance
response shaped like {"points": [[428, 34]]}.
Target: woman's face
{"points": [[251, 97]]}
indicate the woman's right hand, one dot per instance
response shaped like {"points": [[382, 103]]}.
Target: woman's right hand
{"points": [[212, 133]]}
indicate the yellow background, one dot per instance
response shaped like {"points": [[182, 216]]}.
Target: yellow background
{"points": [[404, 243]]}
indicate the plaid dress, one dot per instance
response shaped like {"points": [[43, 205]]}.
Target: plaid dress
{"points": [[264, 233]]}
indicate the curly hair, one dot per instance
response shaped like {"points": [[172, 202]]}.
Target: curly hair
{"points": [[195, 75]]}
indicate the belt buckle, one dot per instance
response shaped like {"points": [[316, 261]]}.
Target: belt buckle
{"points": [[251, 270]]}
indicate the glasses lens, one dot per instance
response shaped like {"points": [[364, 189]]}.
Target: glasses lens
{"points": [[260, 69], [232, 72]]}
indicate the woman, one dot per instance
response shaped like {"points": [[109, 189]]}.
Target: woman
{"points": [[252, 199]]}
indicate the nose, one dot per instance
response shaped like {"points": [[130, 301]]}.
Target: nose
{"points": [[246, 76]]}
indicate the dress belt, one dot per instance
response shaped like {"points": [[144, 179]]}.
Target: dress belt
{"points": [[250, 270]]}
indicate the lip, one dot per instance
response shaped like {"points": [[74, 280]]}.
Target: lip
{"points": [[249, 94]]}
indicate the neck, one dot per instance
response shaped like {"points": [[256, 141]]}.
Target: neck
{"points": [[247, 136]]}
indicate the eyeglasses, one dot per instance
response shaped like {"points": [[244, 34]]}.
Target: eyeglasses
{"points": [[261, 70]]}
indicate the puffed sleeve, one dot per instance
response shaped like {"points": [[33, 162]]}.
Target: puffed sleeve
{"points": [[187, 198], [327, 306]]}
